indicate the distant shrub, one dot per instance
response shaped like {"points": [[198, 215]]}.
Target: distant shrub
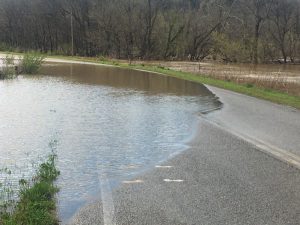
{"points": [[249, 85], [31, 63], [161, 67], [9, 59], [102, 58]]}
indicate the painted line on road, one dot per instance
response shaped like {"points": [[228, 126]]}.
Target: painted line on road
{"points": [[107, 199], [133, 182], [174, 181], [267, 148], [164, 167]]}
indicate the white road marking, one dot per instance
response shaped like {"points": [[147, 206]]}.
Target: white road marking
{"points": [[130, 166], [176, 181], [164, 167], [107, 199], [276, 152], [133, 182]]}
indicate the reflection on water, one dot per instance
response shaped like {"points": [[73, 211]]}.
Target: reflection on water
{"points": [[120, 121], [125, 79]]}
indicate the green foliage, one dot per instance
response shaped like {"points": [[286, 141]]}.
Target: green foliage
{"points": [[31, 63], [9, 59], [37, 204], [249, 85], [47, 171], [115, 63], [6, 191], [102, 58]]}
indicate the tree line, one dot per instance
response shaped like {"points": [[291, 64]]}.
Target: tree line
{"points": [[230, 30]]}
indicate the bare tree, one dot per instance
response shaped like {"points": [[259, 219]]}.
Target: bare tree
{"points": [[282, 22], [259, 10], [262, 29]]}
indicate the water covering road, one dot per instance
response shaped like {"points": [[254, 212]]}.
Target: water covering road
{"points": [[225, 177], [121, 122]]}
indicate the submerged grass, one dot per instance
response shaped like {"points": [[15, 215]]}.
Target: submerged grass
{"points": [[7, 71], [36, 205]]}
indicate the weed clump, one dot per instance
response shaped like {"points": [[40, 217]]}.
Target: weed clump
{"points": [[31, 63]]}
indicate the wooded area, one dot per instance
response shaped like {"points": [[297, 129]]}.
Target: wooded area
{"points": [[230, 30]]}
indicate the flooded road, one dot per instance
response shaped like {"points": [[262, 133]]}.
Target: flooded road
{"points": [[281, 77], [120, 122], [235, 69]]}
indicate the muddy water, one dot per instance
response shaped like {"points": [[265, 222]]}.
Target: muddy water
{"points": [[99, 120]]}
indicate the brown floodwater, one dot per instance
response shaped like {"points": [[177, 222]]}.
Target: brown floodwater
{"points": [[96, 118]]}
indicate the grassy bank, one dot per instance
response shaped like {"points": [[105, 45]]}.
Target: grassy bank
{"points": [[36, 203], [251, 90]]}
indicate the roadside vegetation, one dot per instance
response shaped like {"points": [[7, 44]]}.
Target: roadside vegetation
{"points": [[36, 204], [29, 63]]}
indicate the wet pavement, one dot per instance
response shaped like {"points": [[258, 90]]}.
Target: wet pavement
{"points": [[240, 168], [263, 122], [103, 121], [221, 179], [229, 175]]}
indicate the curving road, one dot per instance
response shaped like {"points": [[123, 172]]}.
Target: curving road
{"points": [[242, 168]]}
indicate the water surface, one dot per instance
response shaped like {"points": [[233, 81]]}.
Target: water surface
{"points": [[122, 122]]}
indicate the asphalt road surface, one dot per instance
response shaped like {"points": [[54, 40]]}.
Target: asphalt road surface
{"points": [[242, 168]]}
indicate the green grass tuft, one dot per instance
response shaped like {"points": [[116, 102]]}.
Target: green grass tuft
{"points": [[37, 203]]}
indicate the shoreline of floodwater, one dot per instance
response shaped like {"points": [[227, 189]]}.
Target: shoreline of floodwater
{"points": [[247, 88]]}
